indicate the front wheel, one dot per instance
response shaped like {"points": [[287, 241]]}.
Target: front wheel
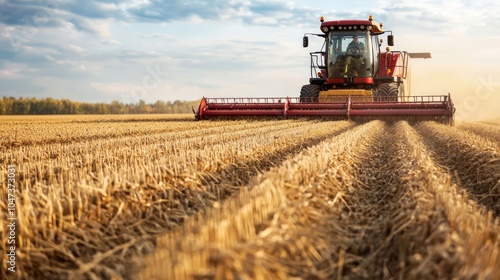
{"points": [[387, 92], [310, 93]]}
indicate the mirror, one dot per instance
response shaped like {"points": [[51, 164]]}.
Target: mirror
{"points": [[390, 40], [305, 41]]}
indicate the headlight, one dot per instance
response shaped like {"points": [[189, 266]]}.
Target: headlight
{"points": [[324, 29], [362, 27], [369, 27]]}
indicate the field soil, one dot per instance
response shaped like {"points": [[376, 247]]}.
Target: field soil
{"points": [[166, 197]]}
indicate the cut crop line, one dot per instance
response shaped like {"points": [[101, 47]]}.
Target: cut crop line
{"points": [[475, 160], [225, 228], [477, 231]]}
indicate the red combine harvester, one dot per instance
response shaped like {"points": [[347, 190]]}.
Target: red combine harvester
{"points": [[351, 78]]}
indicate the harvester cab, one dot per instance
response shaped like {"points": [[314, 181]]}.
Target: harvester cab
{"points": [[351, 63], [352, 77]]}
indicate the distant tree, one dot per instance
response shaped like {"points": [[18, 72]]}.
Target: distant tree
{"points": [[160, 107], [7, 105], [116, 107], [68, 107], [141, 107], [34, 106], [20, 106]]}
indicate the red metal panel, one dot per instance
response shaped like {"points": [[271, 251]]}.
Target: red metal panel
{"points": [[397, 112], [201, 109], [394, 62], [363, 80], [336, 81], [340, 81], [263, 106], [440, 106], [408, 106], [244, 112], [309, 106], [346, 22], [317, 112]]}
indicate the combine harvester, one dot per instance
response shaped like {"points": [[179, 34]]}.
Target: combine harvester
{"points": [[351, 78]]}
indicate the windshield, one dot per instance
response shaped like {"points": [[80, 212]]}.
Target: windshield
{"points": [[349, 54]]}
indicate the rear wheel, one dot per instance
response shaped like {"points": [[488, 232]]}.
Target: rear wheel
{"points": [[310, 93], [387, 92]]}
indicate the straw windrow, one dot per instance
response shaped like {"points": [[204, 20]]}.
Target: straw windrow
{"points": [[289, 199]]}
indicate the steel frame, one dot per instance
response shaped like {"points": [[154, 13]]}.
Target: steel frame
{"points": [[348, 106]]}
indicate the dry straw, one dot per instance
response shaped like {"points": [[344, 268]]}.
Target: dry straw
{"points": [[334, 200]]}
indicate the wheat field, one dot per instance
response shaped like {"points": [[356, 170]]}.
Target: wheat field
{"points": [[166, 197]]}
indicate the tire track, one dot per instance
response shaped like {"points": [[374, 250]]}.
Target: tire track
{"points": [[259, 227], [390, 219], [367, 204], [475, 233], [474, 160], [391, 224]]}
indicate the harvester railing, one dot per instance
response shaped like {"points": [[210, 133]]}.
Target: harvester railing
{"points": [[317, 63], [389, 63], [344, 106]]}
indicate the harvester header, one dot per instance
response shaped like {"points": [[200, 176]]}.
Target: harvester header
{"points": [[352, 77]]}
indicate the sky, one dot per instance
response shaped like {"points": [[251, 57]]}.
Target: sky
{"points": [[127, 50]]}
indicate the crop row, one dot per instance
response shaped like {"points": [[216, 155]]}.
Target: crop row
{"points": [[474, 159], [369, 203], [99, 202]]}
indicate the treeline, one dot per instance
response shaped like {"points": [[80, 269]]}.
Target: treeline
{"points": [[48, 106]]}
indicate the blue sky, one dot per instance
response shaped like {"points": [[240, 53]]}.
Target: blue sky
{"points": [[128, 50]]}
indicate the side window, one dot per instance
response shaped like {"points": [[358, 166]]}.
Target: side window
{"points": [[345, 42], [376, 51], [364, 40], [333, 47], [375, 43]]}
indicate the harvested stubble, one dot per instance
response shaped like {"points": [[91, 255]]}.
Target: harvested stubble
{"points": [[473, 228], [47, 130], [474, 159], [367, 204], [87, 219], [488, 131], [172, 142], [232, 242]]}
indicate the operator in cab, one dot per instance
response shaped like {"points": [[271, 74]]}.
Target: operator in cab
{"points": [[354, 62], [356, 44]]}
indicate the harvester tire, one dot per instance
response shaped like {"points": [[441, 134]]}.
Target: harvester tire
{"points": [[310, 93], [387, 92]]}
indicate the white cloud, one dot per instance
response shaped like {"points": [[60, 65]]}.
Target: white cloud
{"points": [[113, 88], [77, 49], [75, 64], [10, 73], [110, 41], [100, 27]]}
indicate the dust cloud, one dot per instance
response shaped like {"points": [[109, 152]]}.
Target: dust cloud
{"points": [[475, 94]]}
